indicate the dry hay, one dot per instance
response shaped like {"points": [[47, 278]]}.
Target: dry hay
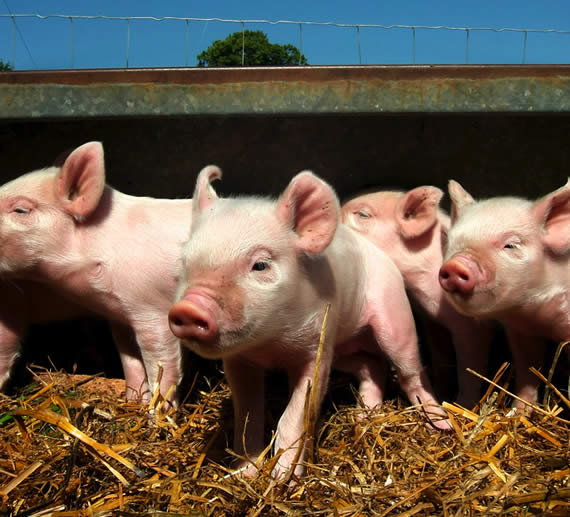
{"points": [[72, 447]]}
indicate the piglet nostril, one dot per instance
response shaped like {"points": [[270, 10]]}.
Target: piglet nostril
{"points": [[176, 321], [201, 323]]}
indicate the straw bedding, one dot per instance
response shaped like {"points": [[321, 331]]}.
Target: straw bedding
{"points": [[71, 446]]}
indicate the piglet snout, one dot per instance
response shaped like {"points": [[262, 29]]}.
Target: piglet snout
{"points": [[457, 276], [188, 320]]}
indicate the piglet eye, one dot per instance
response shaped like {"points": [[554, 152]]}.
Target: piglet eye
{"points": [[260, 266], [510, 246], [21, 205], [363, 214]]}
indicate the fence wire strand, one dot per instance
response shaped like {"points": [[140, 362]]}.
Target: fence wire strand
{"points": [[278, 22]]}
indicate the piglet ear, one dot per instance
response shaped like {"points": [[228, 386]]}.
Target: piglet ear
{"points": [[311, 207], [460, 198], [204, 193], [416, 211], [553, 214], [80, 182]]}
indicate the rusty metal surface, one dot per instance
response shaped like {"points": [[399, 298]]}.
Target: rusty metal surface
{"points": [[285, 91]]}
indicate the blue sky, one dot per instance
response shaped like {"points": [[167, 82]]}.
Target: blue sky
{"points": [[103, 43]]}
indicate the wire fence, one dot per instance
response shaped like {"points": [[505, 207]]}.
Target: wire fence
{"points": [[412, 34]]}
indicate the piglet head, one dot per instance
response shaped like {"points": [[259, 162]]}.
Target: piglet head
{"points": [[38, 211], [500, 250], [398, 222], [243, 263]]}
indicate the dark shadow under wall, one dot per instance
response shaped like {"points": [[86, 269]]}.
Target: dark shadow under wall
{"points": [[160, 157]]}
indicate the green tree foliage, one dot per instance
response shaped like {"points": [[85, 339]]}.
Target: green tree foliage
{"points": [[258, 51], [5, 67]]}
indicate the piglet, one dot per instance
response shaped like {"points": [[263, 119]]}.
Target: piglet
{"points": [[507, 259], [69, 244], [411, 228], [257, 277]]}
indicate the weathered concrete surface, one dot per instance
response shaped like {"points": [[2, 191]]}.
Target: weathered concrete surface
{"points": [[283, 91]]}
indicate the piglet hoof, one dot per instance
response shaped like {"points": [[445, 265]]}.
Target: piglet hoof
{"points": [[441, 425], [285, 470], [437, 418], [137, 396], [364, 413], [244, 468], [523, 405], [520, 409], [284, 476]]}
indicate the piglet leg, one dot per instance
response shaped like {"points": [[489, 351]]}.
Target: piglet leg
{"points": [[12, 327], [9, 351], [131, 359], [527, 351], [291, 425], [472, 351], [246, 381], [371, 372], [395, 330], [159, 346]]}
